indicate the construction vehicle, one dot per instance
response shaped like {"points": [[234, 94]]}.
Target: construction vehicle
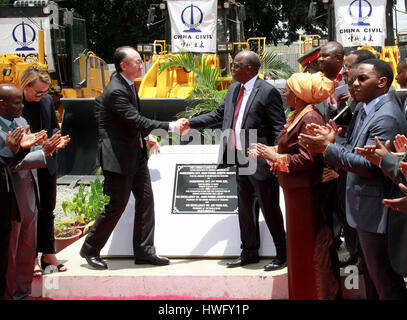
{"points": [[40, 32], [162, 94], [170, 87]]}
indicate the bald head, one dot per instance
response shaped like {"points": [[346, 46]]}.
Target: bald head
{"points": [[6, 89], [335, 47], [331, 59], [11, 101], [251, 58], [246, 65]]}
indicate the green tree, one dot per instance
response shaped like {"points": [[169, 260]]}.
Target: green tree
{"points": [[282, 19], [113, 23]]}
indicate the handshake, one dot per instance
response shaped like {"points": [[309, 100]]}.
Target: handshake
{"points": [[181, 126]]}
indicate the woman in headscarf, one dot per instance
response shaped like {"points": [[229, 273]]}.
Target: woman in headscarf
{"points": [[304, 178]]}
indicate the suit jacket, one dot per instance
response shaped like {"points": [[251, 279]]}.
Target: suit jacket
{"points": [[6, 188], [49, 123], [24, 176], [121, 127], [264, 112], [397, 222], [366, 185]]}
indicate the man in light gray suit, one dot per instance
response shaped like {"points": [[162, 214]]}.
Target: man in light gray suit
{"points": [[24, 178], [366, 184]]}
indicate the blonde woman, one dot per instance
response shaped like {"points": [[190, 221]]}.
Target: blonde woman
{"points": [[39, 111]]}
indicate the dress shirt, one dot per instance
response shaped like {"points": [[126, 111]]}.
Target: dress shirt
{"points": [[7, 122], [248, 87]]}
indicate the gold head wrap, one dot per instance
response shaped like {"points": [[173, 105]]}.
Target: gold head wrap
{"points": [[311, 87]]}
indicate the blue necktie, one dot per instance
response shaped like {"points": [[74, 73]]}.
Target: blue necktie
{"points": [[359, 123], [13, 125]]}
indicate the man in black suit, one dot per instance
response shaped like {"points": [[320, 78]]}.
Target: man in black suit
{"points": [[252, 111], [123, 158]]}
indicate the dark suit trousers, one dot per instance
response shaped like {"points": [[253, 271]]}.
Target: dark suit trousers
{"points": [[382, 282], [118, 188], [350, 235], [45, 229], [5, 228], [267, 194]]}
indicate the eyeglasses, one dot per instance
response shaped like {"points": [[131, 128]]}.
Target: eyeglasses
{"points": [[39, 93], [137, 62]]}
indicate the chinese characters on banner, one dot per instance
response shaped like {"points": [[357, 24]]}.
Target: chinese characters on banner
{"points": [[360, 22], [193, 25]]}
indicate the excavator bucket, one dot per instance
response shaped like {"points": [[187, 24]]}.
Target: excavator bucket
{"points": [[78, 159], [78, 120]]}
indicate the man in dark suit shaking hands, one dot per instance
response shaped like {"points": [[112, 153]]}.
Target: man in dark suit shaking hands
{"points": [[252, 111], [123, 158]]}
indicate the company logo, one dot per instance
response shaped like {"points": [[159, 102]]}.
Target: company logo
{"points": [[24, 35], [360, 10], [192, 17]]}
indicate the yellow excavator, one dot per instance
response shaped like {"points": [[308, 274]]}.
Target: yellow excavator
{"points": [[40, 32]]}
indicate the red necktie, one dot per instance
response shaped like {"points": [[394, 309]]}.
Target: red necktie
{"points": [[232, 144], [237, 106]]}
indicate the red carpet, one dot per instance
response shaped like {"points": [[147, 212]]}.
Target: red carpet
{"points": [[137, 298]]}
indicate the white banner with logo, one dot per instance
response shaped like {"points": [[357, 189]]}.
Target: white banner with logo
{"points": [[19, 36], [360, 22], [193, 25]]}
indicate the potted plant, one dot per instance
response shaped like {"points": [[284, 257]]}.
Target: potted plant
{"points": [[65, 234], [86, 205]]}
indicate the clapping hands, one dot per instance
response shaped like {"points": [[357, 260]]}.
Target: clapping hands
{"points": [[20, 137], [374, 153], [55, 142], [400, 144], [318, 137]]}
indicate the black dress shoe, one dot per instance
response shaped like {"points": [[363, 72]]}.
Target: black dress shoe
{"points": [[275, 264], [152, 259], [94, 261], [239, 262]]}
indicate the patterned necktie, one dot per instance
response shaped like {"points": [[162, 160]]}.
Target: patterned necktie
{"points": [[359, 122]]}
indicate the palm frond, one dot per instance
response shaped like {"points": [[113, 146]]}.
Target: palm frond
{"points": [[205, 96], [275, 66], [206, 74]]}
